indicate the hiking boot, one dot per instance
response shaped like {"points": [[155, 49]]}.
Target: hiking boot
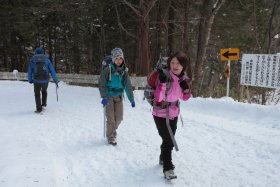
{"points": [[44, 105], [169, 174], [112, 142], [172, 166], [160, 162], [38, 110]]}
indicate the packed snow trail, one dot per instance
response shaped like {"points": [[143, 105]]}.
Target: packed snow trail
{"points": [[223, 142]]}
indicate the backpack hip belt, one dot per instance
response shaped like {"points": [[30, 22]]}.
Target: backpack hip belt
{"points": [[116, 89], [164, 105]]}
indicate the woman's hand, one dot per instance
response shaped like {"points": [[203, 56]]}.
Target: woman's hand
{"points": [[162, 77]]}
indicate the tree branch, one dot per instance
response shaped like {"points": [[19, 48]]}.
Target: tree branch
{"points": [[135, 10], [120, 24], [217, 6], [150, 5]]}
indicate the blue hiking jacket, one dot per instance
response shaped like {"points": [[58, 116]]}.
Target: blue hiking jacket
{"points": [[32, 70]]}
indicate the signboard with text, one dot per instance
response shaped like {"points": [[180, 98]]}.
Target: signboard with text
{"points": [[261, 70]]}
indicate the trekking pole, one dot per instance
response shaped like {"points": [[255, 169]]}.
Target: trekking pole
{"points": [[182, 120], [104, 119], [170, 130], [56, 83], [167, 119]]}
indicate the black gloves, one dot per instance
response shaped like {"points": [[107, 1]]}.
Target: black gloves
{"points": [[181, 75], [184, 85], [56, 83], [162, 77]]}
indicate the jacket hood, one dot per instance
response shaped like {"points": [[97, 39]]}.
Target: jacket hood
{"points": [[39, 50]]}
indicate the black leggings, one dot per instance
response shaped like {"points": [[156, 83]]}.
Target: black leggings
{"points": [[167, 144], [38, 88]]}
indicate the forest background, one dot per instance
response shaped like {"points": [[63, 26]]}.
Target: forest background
{"points": [[77, 34]]}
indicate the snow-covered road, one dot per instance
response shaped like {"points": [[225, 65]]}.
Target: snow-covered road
{"points": [[222, 143]]}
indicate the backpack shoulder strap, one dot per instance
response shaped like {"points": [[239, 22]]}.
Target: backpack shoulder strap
{"points": [[108, 72], [125, 77], [153, 79], [168, 82]]}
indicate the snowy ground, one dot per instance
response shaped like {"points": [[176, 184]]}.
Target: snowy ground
{"points": [[222, 143]]}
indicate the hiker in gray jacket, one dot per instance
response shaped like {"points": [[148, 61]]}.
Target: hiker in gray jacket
{"points": [[113, 81]]}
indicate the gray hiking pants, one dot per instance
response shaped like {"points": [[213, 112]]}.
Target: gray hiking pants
{"points": [[114, 113]]}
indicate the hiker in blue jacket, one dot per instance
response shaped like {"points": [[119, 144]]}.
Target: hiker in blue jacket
{"points": [[38, 73], [114, 80]]}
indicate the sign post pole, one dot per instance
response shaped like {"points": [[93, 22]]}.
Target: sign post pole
{"points": [[228, 78], [229, 54]]}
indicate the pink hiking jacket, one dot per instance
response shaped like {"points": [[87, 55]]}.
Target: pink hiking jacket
{"points": [[174, 94]]}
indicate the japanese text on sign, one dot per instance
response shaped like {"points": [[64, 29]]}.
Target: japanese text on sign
{"points": [[260, 70]]}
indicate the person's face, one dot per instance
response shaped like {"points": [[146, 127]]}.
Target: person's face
{"points": [[118, 61], [175, 66]]}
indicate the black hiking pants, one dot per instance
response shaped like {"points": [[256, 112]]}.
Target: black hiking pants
{"points": [[167, 144], [38, 88]]}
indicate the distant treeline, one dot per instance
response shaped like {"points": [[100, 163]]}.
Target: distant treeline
{"points": [[77, 34]]}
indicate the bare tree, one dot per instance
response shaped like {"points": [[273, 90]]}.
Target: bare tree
{"points": [[171, 28], [208, 12], [142, 13], [270, 35], [185, 36]]}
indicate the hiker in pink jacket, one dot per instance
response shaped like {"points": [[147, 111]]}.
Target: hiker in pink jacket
{"points": [[178, 66]]}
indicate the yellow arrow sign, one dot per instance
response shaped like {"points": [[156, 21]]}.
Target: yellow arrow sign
{"points": [[229, 54]]}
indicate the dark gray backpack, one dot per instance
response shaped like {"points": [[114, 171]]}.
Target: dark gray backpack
{"points": [[152, 80], [41, 70]]}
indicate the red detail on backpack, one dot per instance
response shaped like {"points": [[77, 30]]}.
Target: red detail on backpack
{"points": [[153, 79]]}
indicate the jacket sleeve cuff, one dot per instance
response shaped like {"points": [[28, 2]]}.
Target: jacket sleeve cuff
{"points": [[186, 96], [162, 86]]}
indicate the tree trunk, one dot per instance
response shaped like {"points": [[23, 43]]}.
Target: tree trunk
{"points": [[142, 13], [274, 10], [208, 13], [269, 29], [241, 93], [90, 50], [77, 62], [6, 63], [157, 50], [185, 36], [170, 29], [13, 53], [50, 46], [248, 94], [143, 38]]}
